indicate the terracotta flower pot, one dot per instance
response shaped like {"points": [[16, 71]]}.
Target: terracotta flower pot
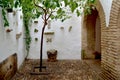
{"points": [[8, 30], [52, 55]]}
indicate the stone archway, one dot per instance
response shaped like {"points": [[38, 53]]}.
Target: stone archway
{"points": [[92, 40], [99, 21]]}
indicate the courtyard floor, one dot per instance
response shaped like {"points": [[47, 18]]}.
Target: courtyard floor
{"points": [[61, 70]]}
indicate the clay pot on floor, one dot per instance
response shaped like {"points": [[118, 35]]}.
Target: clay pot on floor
{"points": [[52, 55]]}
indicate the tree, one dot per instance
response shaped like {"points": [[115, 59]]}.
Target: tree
{"points": [[59, 9]]}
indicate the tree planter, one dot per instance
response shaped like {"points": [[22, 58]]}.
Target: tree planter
{"points": [[52, 55]]}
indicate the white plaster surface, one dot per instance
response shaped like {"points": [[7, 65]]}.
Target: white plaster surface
{"points": [[8, 42], [67, 43], [107, 8]]}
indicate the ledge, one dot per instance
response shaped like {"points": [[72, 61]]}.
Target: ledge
{"points": [[49, 32]]}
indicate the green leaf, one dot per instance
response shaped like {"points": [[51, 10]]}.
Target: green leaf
{"points": [[46, 4], [6, 23], [66, 2], [78, 13], [16, 3], [58, 5], [92, 1], [52, 16], [59, 11], [73, 6]]}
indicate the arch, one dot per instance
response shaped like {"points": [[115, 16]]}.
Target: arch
{"points": [[101, 15], [113, 42], [115, 10], [91, 38]]}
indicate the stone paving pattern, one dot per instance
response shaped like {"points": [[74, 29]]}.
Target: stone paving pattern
{"points": [[61, 70]]}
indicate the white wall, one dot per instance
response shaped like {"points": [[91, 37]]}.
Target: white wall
{"points": [[67, 43], [107, 8], [20, 41], [8, 42]]}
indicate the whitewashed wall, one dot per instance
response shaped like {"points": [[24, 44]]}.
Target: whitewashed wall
{"points": [[107, 8], [8, 42], [67, 43]]}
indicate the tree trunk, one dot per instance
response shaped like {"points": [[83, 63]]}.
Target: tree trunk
{"points": [[41, 45]]}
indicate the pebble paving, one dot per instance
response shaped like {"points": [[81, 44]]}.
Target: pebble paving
{"points": [[60, 70]]}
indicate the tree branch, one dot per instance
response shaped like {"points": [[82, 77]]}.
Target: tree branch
{"points": [[45, 17], [50, 14], [38, 6]]}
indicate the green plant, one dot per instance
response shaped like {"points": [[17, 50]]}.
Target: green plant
{"points": [[27, 13], [35, 30], [5, 4], [17, 3], [8, 5], [36, 39], [27, 9], [83, 54], [6, 23]]}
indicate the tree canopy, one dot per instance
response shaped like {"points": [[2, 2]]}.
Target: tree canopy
{"points": [[60, 9]]}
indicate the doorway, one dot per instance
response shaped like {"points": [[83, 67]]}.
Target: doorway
{"points": [[91, 36]]}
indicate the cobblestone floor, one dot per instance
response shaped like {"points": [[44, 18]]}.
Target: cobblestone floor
{"points": [[61, 70]]}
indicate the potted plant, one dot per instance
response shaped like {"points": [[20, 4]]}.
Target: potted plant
{"points": [[9, 30], [9, 6], [35, 30], [9, 10], [36, 39]]}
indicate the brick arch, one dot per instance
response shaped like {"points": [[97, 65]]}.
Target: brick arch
{"points": [[113, 42], [101, 15], [115, 11]]}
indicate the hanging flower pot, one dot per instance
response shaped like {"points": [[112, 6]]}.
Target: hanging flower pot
{"points": [[35, 30], [9, 30], [36, 39], [9, 10]]}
